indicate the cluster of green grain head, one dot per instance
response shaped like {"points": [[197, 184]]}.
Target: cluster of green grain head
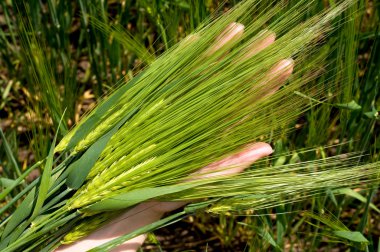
{"points": [[202, 100]]}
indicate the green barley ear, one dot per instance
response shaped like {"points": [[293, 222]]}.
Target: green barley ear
{"points": [[209, 99], [193, 56]]}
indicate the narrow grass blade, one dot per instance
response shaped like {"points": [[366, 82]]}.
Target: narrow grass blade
{"points": [[5, 182], [352, 105], [21, 213], [358, 196], [10, 155], [353, 236], [31, 186], [46, 180], [17, 181]]}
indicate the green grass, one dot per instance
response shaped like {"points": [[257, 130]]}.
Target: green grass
{"points": [[70, 40]]}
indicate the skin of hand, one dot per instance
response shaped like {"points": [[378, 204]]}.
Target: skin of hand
{"points": [[149, 212]]}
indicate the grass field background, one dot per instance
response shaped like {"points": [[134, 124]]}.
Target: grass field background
{"points": [[85, 65]]}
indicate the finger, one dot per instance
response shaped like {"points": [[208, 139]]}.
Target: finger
{"points": [[281, 71], [266, 39], [226, 167], [235, 163], [231, 34], [277, 76]]}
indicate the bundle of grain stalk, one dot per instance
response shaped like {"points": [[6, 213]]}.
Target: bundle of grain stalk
{"points": [[238, 79]]}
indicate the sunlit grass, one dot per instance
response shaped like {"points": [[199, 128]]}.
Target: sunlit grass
{"points": [[340, 79]]}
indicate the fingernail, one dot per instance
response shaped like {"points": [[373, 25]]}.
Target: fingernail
{"points": [[261, 43], [234, 29], [286, 64], [232, 32], [267, 34], [258, 150]]}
